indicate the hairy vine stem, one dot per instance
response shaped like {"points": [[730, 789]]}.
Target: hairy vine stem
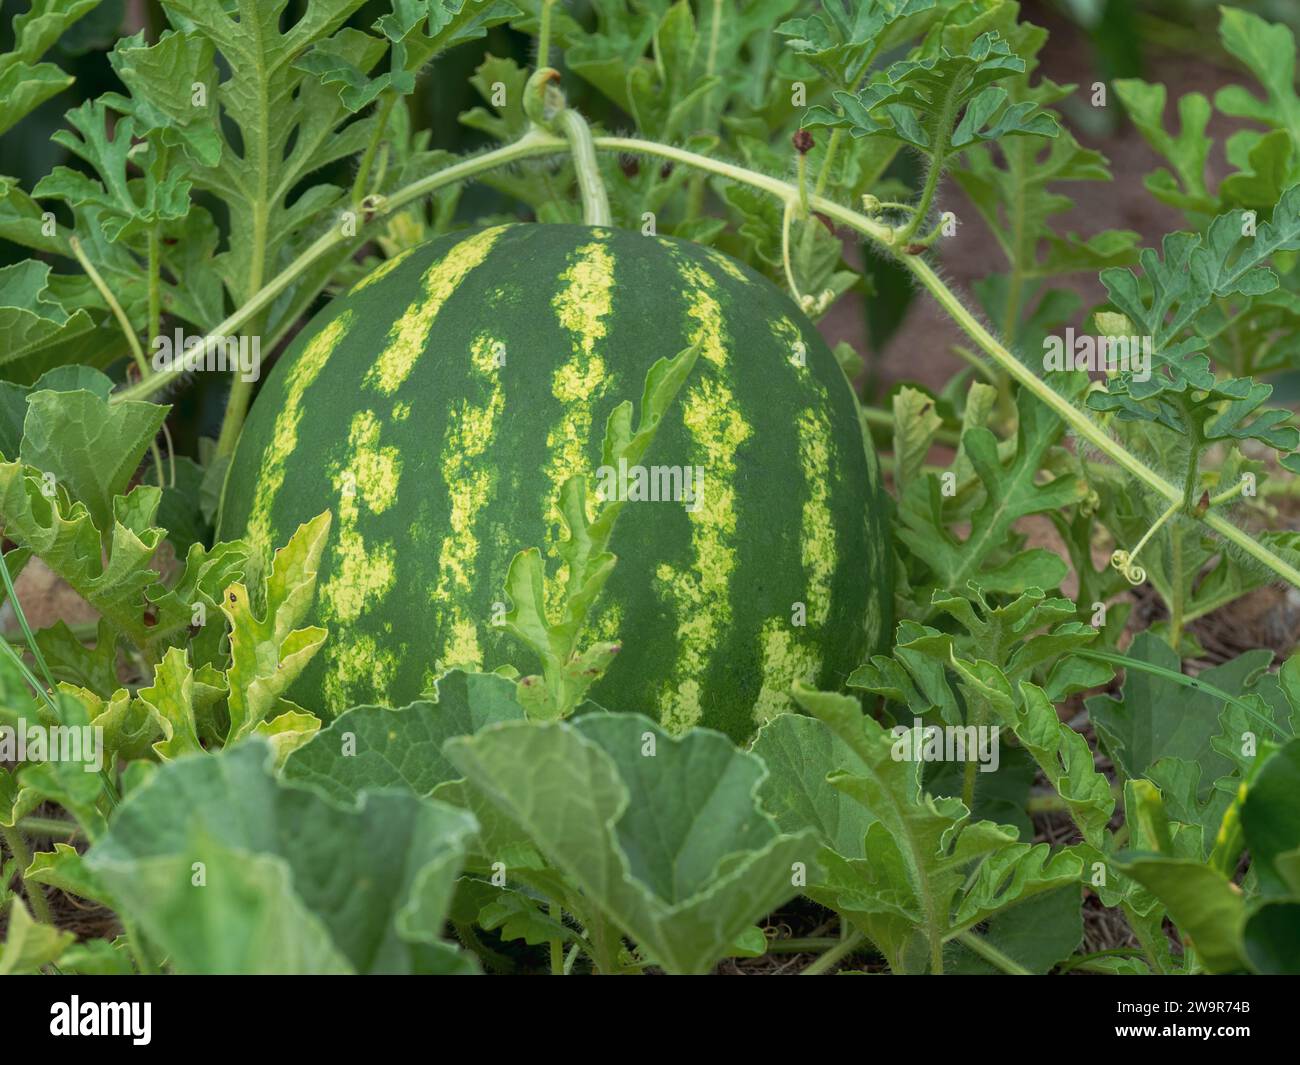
{"points": [[842, 949], [595, 203], [13, 838], [991, 954], [538, 142]]}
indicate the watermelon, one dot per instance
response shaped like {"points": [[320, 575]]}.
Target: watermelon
{"points": [[437, 408]]}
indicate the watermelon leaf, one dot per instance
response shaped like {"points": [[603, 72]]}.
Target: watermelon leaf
{"points": [[72, 783], [268, 653], [915, 425], [79, 439], [65, 868], [219, 863], [161, 79], [799, 752], [923, 873], [1202, 901], [125, 206], [374, 747], [662, 836], [171, 700], [842, 40], [1012, 489], [129, 724], [25, 83], [29, 946], [567, 672], [1190, 294], [1187, 150], [32, 319], [1154, 717], [71, 661], [119, 583], [942, 102], [346, 58], [1014, 189]]}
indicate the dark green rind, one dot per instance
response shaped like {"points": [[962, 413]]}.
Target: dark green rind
{"points": [[510, 295]]}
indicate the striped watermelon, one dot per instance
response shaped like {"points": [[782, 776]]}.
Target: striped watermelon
{"points": [[439, 405]]}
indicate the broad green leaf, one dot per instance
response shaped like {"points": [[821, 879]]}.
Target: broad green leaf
{"points": [[87, 444], [799, 752], [927, 872], [1001, 796], [1207, 907], [1037, 935], [1179, 782], [180, 510], [32, 319], [1270, 819], [1154, 718], [230, 871], [1166, 859], [373, 747], [662, 834], [25, 83], [1271, 938], [29, 946]]}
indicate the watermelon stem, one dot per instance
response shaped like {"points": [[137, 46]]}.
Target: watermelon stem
{"points": [[544, 34], [595, 203], [545, 105]]}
